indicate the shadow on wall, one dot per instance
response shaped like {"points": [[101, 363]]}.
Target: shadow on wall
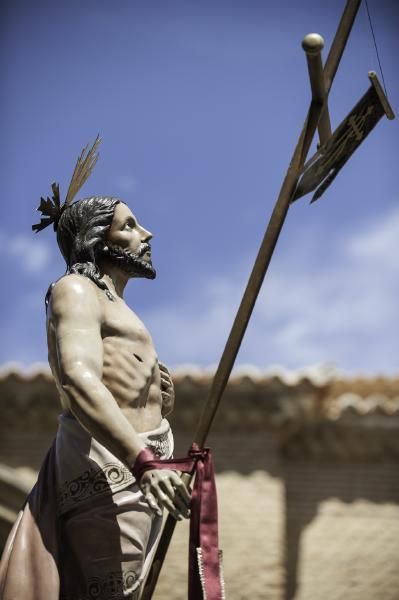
{"points": [[332, 508]]}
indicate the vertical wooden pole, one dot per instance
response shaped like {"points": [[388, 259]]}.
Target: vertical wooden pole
{"points": [[259, 270]]}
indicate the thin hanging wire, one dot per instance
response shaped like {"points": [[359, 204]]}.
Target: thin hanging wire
{"points": [[376, 48]]}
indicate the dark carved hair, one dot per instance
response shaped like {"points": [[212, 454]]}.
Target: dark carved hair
{"points": [[81, 232]]}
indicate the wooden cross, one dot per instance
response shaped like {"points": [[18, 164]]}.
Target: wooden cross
{"points": [[333, 152]]}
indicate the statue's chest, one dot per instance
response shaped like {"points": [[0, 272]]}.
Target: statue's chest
{"points": [[121, 322]]}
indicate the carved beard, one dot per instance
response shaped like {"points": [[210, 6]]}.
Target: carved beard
{"points": [[131, 262]]}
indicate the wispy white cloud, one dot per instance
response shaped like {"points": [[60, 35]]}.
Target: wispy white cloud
{"points": [[378, 243], [28, 264], [29, 253], [341, 309], [23, 329]]}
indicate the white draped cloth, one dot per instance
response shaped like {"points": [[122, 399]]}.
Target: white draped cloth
{"points": [[86, 531]]}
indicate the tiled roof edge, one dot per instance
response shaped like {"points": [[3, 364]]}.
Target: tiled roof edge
{"points": [[25, 373], [318, 375], [374, 404]]}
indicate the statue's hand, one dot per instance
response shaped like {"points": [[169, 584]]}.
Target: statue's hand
{"points": [[164, 488], [167, 390]]}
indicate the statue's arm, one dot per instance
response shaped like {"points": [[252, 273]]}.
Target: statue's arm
{"points": [[76, 321]]}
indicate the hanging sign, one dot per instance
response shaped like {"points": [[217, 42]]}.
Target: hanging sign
{"points": [[324, 166]]}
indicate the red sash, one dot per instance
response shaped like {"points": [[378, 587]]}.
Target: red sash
{"points": [[205, 578]]}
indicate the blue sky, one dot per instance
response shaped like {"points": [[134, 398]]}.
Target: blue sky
{"points": [[199, 105]]}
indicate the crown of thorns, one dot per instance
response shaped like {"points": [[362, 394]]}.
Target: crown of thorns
{"points": [[51, 208]]}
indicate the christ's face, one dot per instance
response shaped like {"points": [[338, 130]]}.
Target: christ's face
{"points": [[128, 243], [127, 233]]}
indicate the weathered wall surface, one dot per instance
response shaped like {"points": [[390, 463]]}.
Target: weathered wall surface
{"points": [[251, 521], [307, 472], [341, 531], [252, 547]]}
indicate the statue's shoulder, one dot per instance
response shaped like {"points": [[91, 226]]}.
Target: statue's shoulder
{"points": [[72, 293], [74, 286]]}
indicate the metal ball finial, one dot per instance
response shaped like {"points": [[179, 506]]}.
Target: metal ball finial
{"points": [[313, 43]]}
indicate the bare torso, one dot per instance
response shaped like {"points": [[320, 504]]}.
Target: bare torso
{"points": [[130, 364]]}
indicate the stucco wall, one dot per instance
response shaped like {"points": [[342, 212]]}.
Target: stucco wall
{"points": [[307, 474]]}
